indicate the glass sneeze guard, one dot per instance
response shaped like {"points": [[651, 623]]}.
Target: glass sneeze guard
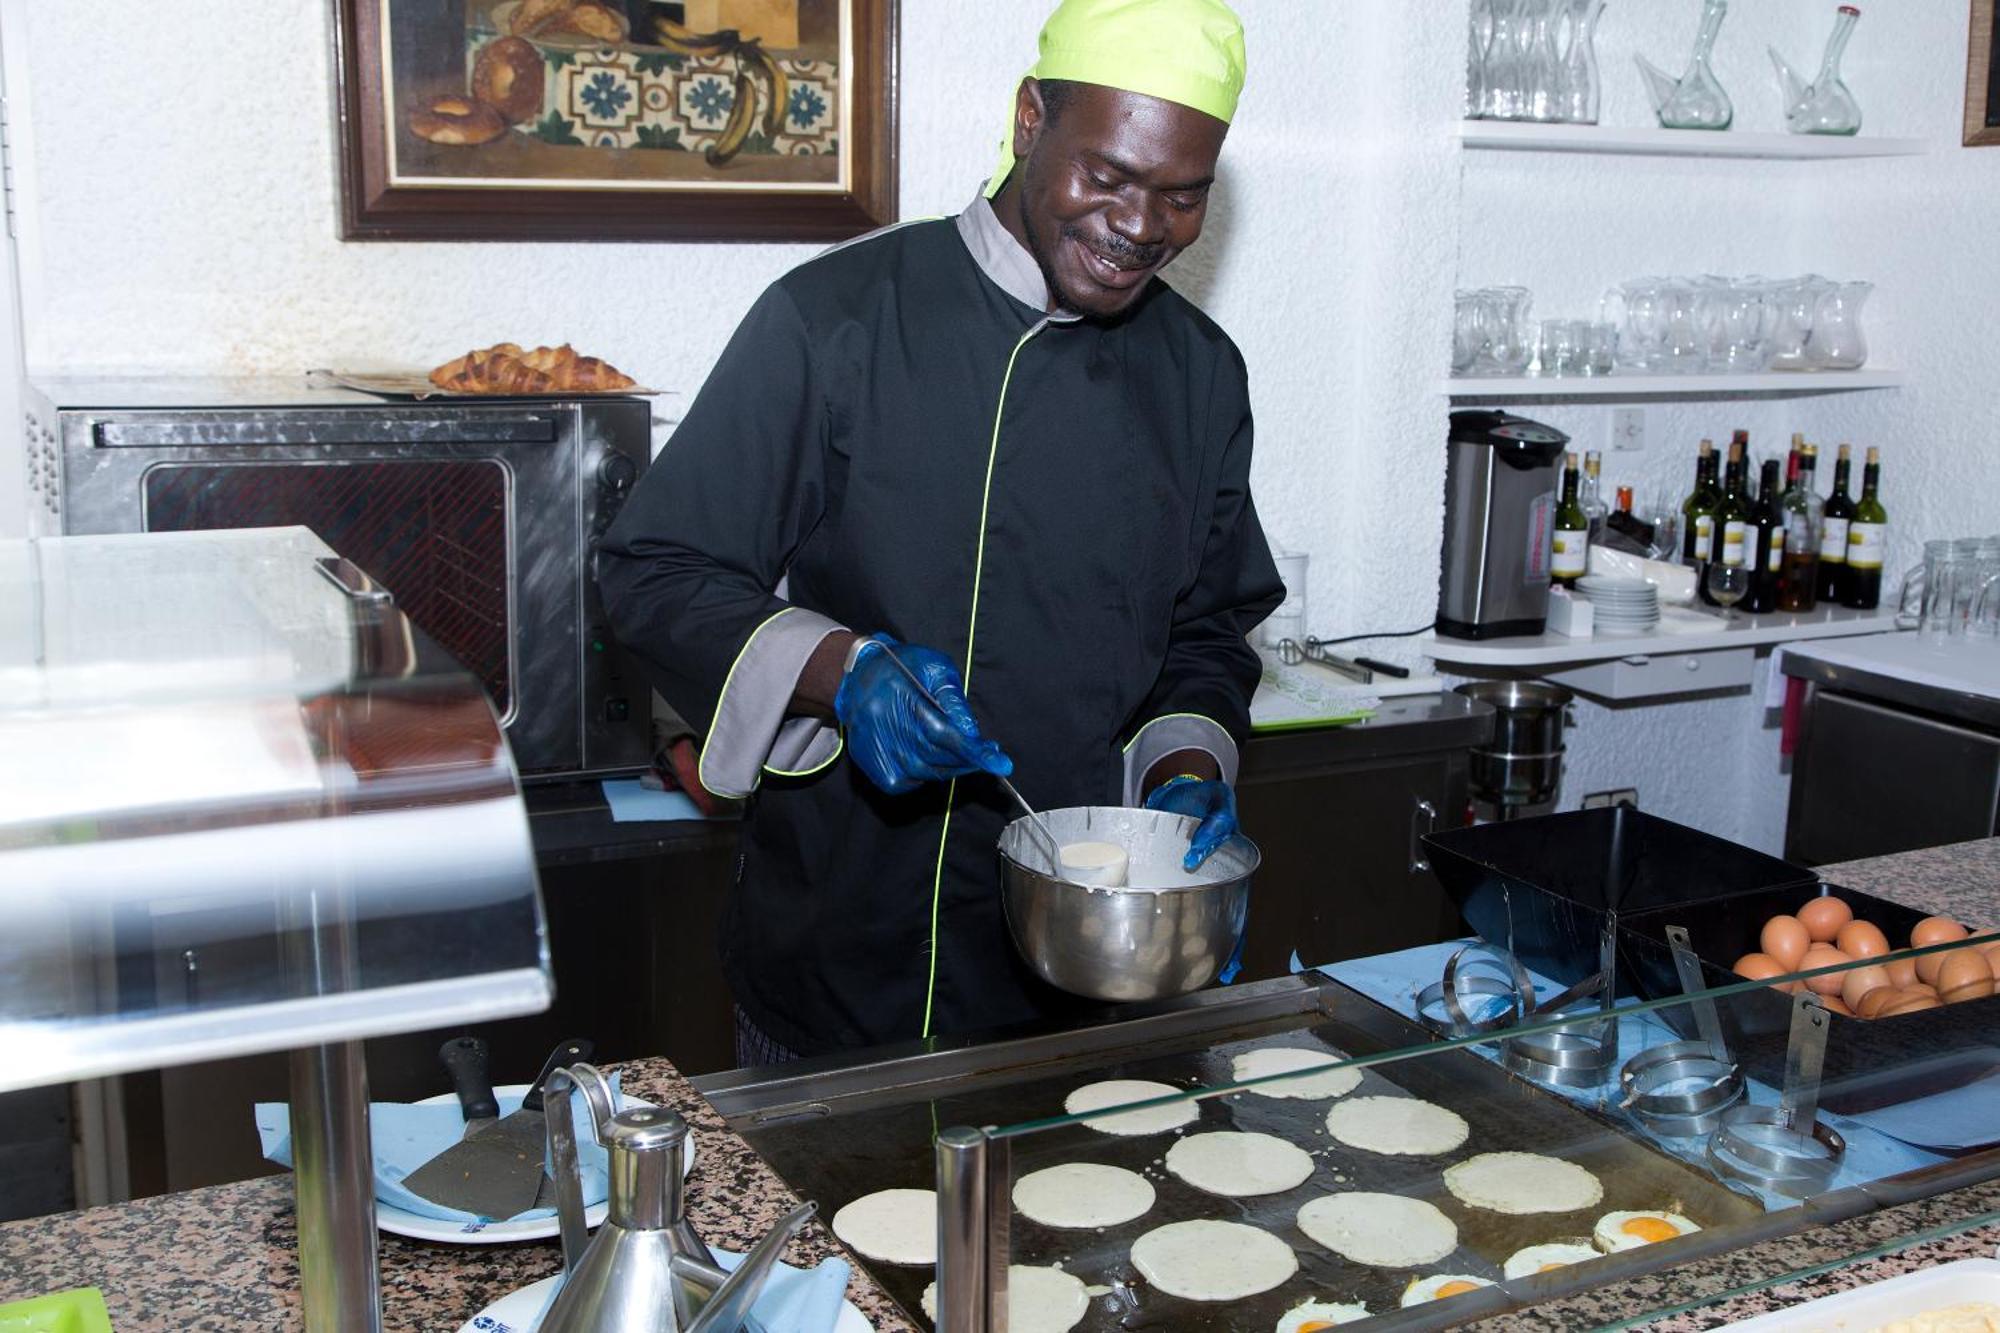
{"points": [[1428, 1180], [246, 807]]}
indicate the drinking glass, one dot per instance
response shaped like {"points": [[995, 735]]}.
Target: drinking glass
{"points": [[1560, 348], [1542, 68], [1506, 96], [1728, 585], [1479, 35], [1598, 352], [1633, 307]]}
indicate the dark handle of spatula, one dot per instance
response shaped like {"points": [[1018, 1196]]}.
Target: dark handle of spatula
{"points": [[465, 1060], [573, 1051]]}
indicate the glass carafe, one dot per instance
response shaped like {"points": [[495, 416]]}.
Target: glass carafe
{"points": [[1836, 342], [1696, 100], [1582, 88], [1478, 36], [1542, 64], [1825, 106], [1506, 87], [1794, 307]]}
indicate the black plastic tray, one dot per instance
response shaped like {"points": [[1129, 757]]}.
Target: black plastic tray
{"points": [[1547, 888], [1869, 1062]]}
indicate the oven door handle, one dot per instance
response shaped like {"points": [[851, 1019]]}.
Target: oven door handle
{"points": [[353, 581]]}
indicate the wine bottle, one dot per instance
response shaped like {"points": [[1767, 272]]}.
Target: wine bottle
{"points": [[1698, 511], [1798, 579], [1766, 541], [1833, 533], [1867, 540], [1732, 513], [1591, 494], [1571, 556]]}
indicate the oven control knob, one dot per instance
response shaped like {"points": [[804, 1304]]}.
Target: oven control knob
{"points": [[615, 472]]}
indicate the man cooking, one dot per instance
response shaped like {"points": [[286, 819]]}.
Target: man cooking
{"points": [[1000, 448]]}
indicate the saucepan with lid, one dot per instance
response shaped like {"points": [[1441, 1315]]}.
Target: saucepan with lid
{"points": [[1165, 932]]}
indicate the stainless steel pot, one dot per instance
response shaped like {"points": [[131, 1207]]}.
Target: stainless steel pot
{"points": [[1166, 933], [1522, 766]]}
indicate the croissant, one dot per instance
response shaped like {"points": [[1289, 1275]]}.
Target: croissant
{"points": [[505, 369]]}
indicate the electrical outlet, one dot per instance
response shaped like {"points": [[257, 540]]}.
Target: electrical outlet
{"points": [[1628, 428], [1625, 796]]}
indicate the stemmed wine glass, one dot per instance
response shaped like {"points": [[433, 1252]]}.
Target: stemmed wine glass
{"points": [[1728, 585]]}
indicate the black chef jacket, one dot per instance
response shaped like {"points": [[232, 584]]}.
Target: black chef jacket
{"points": [[899, 438]]}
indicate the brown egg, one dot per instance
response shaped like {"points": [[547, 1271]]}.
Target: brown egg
{"points": [[1855, 985], [1861, 939], [1823, 918], [1786, 939], [1833, 1004], [1824, 955], [1902, 971], [1758, 966], [1875, 1001], [1935, 930], [1965, 975], [1909, 1002]]}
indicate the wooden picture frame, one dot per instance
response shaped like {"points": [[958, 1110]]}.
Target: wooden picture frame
{"points": [[1982, 78], [818, 165]]}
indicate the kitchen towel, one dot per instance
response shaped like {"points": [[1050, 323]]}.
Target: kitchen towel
{"points": [[406, 1136], [632, 803]]}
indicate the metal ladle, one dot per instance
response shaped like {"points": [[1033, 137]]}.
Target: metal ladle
{"points": [[1050, 847]]}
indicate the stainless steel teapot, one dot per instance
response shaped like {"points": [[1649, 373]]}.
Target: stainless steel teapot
{"points": [[645, 1268]]}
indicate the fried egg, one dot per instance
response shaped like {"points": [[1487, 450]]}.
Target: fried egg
{"points": [[1313, 1316], [1628, 1231], [1440, 1285], [1542, 1258]]}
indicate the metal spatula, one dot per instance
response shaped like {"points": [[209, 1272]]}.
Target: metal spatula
{"points": [[496, 1172]]}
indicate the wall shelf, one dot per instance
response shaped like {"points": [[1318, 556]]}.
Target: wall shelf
{"points": [[1694, 632], [1628, 388], [1652, 141]]}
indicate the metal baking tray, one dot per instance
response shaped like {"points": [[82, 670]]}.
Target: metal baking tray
{"points": [[835, 1132]]}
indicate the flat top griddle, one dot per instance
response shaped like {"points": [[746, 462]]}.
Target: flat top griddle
{"points": [[836, 1137]]}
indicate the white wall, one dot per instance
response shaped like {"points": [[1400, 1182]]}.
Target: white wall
{"points": [[187, 224]]}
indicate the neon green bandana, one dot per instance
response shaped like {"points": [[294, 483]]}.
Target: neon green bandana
{"points": [[1185, 51]]}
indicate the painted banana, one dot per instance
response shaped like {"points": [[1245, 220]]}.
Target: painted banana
{"points": [[742, 115]]}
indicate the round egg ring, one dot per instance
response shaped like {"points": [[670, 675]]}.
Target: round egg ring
{"points": [[1757, 1144], [1648, 1078]]}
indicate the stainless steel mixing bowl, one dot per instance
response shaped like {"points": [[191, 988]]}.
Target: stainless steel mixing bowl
{"points": [[1166, 933]]}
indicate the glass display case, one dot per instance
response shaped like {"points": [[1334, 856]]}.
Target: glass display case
{"points": [[1418, 1139], [245, 806]]}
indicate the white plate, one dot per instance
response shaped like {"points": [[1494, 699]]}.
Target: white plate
{"points": [[397, 1222], [511, 1314], [1879, 1303]]}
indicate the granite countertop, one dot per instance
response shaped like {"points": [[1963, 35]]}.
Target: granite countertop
{"points": [[226, 1257]]}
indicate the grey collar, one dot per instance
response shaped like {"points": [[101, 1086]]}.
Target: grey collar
{"points": [[1004, 260]]}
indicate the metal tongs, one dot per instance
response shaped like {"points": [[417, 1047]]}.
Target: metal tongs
{"points": [[1291, 652]]}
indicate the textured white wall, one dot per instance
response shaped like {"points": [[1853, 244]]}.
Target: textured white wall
{"points": [[201, 237]]}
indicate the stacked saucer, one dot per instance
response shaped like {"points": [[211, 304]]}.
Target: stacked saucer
{"points": [[1621, 606]]}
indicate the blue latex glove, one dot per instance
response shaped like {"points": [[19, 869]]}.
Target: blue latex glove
{"points": [[1213, 802], [900, 738]]}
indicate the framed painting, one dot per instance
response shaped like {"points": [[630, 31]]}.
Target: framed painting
{"points": [[616, 120], [1982, 78]]}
